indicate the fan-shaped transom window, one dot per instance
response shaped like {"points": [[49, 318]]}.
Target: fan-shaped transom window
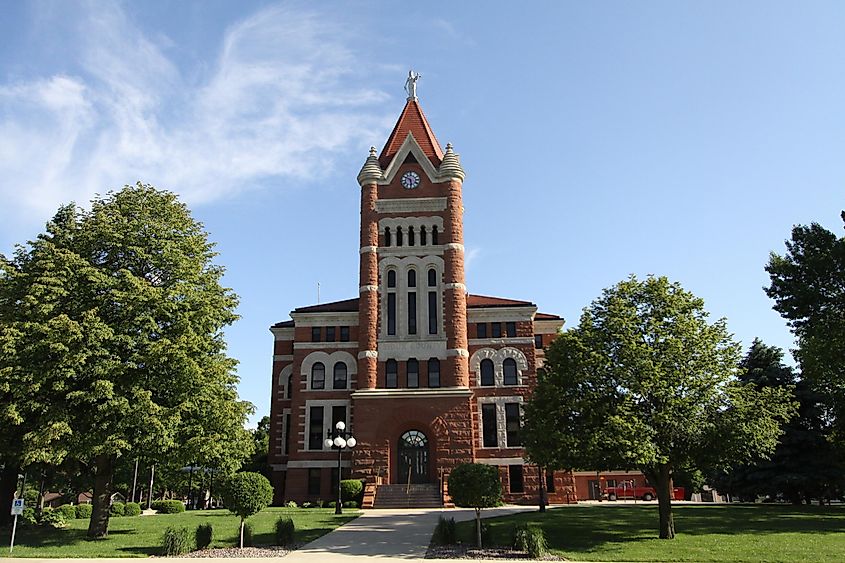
{"points": [[413, 439]]}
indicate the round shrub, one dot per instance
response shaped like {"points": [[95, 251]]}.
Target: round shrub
{"points": [[285, 530], [168, 506], [331, 504], [68, 511], [351, 489], [132, 509], [204, 535], [351, 504], [28, 515], [54, 518], [246, 494], [117, 509], [177, 541], [83, 511], [291, 504]]}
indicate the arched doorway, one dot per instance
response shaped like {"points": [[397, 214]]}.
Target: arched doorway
{"points": [[413, 457]]}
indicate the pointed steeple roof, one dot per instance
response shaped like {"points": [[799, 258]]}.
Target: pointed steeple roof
{"points": [[412, 121]]}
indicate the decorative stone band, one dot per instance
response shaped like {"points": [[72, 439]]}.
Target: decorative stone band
{"points": [[455, 246], [503, 461], [440, 392], [282, 358], [366, 288], [463, 352], [368, 354], [366, 249], [460, 286]]}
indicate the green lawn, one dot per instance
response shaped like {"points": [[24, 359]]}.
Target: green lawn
{"points": [[614, 532], [141, 536]]}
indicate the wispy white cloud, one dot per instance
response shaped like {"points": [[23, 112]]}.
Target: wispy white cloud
{"points": [[283, 95]]}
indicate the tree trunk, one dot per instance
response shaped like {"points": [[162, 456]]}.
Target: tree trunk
{"points": [[663, 486], [242, 533], [478, 526], [8, 488], [98, 527]]}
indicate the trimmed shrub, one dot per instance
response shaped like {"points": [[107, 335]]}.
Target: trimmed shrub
{"points": [[445, 532], [247, 539], [54, 518], [168, 506], [351, 504], [177, 541], [285, 530], [28, 515], [351, 489], [475, 485], [68, 511], [132, 509], [531, 540], [246, 494], [84, 511], [204, 535], [117, 509], [331, 504], [291, 504]]}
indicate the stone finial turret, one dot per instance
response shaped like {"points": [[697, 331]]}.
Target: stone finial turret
{"points": [[451, 165], [371, 171]]}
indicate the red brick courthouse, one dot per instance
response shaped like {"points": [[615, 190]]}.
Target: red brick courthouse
{"points": [[424, 374]]}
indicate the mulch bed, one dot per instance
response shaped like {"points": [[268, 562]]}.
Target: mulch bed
{"points": [[461, 551], [266, 551]]}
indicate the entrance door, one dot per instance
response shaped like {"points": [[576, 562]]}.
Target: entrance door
{"points": [[413, 457]]}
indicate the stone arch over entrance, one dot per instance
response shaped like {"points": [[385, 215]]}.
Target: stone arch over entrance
{"points": [[413, 457]]}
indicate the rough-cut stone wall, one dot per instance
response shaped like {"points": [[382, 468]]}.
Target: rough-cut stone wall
{"points": [[454, 295], [368, 294]]}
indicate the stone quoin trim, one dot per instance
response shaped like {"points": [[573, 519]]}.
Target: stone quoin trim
{"points": [[366, 249], [283, 379], [366, 288], [327, 405], [368, 354], [283, 358]]}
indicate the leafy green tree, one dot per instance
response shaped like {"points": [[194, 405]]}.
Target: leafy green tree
{"points": [[805, 465], [645, 381], [261, 442], [475, 485], [808, 287], [245, 494], [115, 317]]}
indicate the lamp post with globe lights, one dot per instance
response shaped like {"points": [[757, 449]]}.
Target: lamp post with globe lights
{"points": [[339, 438]]}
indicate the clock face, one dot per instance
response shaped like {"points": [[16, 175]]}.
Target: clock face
{"points": [[410, 180]]}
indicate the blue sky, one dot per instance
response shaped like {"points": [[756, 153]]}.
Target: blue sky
{"points": [[600, 139]]}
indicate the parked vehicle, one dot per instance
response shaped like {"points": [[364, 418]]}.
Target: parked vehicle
{"points": [[644, 492]]}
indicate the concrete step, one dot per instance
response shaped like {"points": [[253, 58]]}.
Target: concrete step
{"points": [[403, 496]]}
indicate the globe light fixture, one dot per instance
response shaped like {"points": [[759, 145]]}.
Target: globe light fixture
{"points": [[340, 425], [339, 438]]}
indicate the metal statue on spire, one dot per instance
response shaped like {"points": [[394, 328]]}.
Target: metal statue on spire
{"points": [[411, 84]]}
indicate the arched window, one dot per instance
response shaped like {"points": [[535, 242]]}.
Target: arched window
{"points": [[422, 236], [412, 278], [290, 386], [391, 302], [432, 278], [387, 236], [434, 235], [413, 373], [390, 374], [339, 376], [410, 236], [412, 301], [398, 236], [434, 372], [318, 376], [509, 368], [487, 377]]}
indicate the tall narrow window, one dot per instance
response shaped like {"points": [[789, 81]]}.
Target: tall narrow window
{"points": [[344, 334], [510, 329], [387, 236], [495, 330], [515, 479], [390, 374], [412, 302], [538, 341], [410, 236], [290, 386], [432, 312], [487, 377], [339, 381], [338, 415], [481, 330], [318, 376], [434, 235], [434, 372], [413, 373], [287, 433], [398, 236], [391, 303], [513, 425], [488, 425], [432, 277], [422, 236], [315, 429], [330, 333], [315, 333], [509, 369]]}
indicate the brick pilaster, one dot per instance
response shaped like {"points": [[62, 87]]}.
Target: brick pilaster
{"points": [[454, 294], [368, 297]]}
